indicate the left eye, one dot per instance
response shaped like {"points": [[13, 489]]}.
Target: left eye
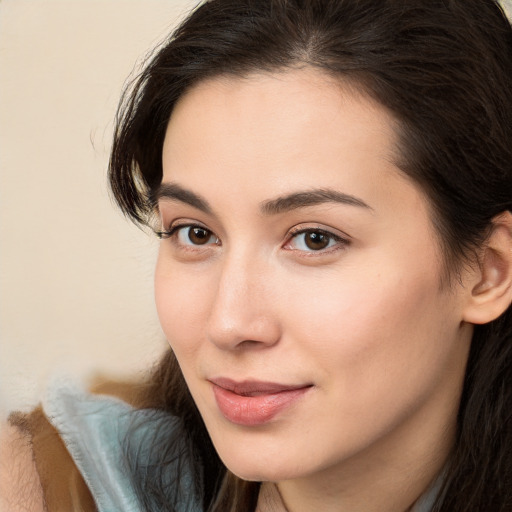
{"points": [[313, 240]]}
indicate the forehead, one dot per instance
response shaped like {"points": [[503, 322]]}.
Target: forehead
{"points": [[289, 122]]}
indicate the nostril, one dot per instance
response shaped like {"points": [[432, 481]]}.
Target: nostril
{"points": [[248, 344]]}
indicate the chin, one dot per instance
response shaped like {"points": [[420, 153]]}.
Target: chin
{"points": [[261, 469], [262, 474]]}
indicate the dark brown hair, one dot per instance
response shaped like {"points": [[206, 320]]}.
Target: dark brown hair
{"points": [[443, 68]]}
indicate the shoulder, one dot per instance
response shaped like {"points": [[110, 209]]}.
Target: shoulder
{"points": [[20, 486], [52, 458]]}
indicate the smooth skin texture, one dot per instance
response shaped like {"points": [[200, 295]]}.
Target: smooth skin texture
{"points": [[251, 294]]}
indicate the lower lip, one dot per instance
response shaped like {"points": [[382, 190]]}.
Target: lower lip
{"points": [[254, 410]]}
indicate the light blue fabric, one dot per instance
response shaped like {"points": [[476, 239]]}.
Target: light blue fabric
{"points": [[95, 430], [426, 502]]}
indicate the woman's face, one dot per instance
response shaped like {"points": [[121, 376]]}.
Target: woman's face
{"points": [[299, 285]]}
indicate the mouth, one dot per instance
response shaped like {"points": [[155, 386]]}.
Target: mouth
{"points": [[253, 403]]}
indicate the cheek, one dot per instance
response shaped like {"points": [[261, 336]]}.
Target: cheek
{"points": [[379, 347], [182, 299], [371, 326]]}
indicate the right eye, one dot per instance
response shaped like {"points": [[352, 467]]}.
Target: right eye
{"points": [[191, 235], [195, 235]]}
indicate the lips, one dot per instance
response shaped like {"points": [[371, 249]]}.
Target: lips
{"points": [[252, 403]]}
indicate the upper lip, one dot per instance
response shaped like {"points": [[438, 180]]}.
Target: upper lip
{"points": [[254, 387]]}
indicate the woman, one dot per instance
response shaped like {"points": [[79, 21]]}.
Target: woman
{"points": [[332, 183]]}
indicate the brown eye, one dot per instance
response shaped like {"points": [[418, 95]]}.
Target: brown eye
{"points": [[190, 235], [316, 240], [198, 235]]}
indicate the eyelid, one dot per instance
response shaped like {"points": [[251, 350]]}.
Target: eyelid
{"points": [[169, 228], [176, 225], [342, 239]]}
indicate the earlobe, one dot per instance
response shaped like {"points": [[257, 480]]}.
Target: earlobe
{"points": [[491, 295]]}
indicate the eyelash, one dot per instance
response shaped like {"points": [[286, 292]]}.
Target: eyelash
{"points": [[173, 231], [339, 241]]}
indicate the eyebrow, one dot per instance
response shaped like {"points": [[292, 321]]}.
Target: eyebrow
{"points": [[310, 198], [281, 204], [174, 192]]}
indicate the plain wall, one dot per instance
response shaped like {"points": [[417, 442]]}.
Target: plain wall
{"points": [[75, 276]]}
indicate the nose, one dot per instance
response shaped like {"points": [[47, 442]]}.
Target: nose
{"points": [[242, 313]]}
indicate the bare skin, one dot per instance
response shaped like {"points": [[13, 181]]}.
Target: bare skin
{"points": [[20, 487]]}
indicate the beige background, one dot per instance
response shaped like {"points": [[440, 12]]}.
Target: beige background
{"points": [[75, 277]]}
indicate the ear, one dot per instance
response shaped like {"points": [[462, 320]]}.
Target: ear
{"points": [[491, 292]]}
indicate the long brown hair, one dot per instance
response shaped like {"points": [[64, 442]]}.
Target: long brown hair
{"points": [[444, 70]]}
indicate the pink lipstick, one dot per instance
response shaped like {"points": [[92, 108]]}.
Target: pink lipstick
{"points": [[253, 403]]}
